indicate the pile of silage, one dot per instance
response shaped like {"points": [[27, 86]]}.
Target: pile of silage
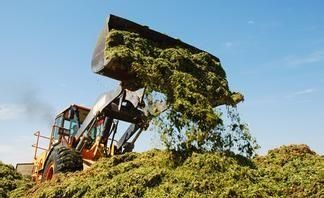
{"points": [[290, 171], [192, 81], [11, 180]]}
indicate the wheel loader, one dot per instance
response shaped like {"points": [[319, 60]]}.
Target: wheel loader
{"points": [[81, 135]]}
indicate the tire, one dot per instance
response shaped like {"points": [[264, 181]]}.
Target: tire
{"points": [[62, 160]]}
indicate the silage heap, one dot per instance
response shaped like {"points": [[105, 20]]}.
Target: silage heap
{"points": [[290, 171], [11, 180]]}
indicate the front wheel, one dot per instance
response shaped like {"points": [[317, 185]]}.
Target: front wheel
{"points": [[62, 160]]}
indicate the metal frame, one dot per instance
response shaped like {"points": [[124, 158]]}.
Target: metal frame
{"points": [[36, 145]]}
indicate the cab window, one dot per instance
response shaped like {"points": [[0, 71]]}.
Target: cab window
{"points": [[57, 125]]}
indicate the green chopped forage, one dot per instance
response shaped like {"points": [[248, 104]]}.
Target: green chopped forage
{"points": [[289, 171], [10, 181], [193, 83]]}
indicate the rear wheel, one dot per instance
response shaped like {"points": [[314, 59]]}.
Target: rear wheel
{"points": [[62, 160]]}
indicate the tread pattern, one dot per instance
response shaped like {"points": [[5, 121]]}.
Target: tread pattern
{"points": [[64, 159], [68, 160]]}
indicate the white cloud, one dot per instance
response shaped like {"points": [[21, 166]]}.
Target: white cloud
{"points": [[314, 57], [12, 154], [292, 97], [228, 44], [304, 92], [301, 93], [291, 62], [5, 148], [11, 111], [251, 22]]}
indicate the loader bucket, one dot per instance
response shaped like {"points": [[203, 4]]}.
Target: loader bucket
{"points": [[112, 68]]}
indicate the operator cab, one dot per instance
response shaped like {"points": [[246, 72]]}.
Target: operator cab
{"points": [[68, 122]]}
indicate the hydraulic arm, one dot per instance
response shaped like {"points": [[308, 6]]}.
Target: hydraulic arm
{"points": [[109, 109]]}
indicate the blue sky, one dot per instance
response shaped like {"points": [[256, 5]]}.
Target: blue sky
{"points": [[272, 51]]}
